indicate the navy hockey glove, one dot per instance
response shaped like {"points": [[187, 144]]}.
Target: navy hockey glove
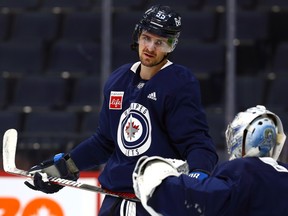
{"points": [[199, 174], [61, 166]]}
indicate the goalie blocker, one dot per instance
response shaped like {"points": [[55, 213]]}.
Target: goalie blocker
{"points": [[149, 173]]}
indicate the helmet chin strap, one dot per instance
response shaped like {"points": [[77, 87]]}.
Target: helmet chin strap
{"points": [[253, 152], [164, 57], [258, 152]]}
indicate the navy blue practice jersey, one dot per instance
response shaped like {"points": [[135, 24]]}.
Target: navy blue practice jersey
{"points": [[241, 187], [161, 116]]}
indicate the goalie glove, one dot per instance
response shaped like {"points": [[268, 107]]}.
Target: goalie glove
{"points": [[61, 166], [149, 172]]}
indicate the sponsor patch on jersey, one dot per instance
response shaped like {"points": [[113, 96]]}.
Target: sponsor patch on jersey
{"points": [[116, 100]]}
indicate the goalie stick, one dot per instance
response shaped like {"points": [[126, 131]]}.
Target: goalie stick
{"points": [[9, 152]]}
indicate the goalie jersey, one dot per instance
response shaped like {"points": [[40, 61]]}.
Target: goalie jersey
{"points": [[246, 186], [161, 116]]}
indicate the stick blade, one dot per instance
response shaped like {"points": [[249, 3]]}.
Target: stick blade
{"points": [[9, 149]]}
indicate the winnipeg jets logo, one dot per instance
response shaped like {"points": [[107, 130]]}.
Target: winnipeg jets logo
{"points": [[134, 130], [131, 129]]}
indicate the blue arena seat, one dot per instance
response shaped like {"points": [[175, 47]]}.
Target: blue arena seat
{"points": [[89, 124], [65, 5], [174, 4], [251, 58], [273, 4], [216, 122], [240, 4], [49, 130], [86, 94], [35, 26], [4, 26], [128, 5], [50, 122], [215, 4], [9, 119], [80, 58], [277, 26], [198, 25], [250, 91], [3, 92], [81, 26], [39, 93], [122, 54], [201, 58], [279, 61], [22, 58], [251, 25], [19, 5], [275, 98], [123, 24]]}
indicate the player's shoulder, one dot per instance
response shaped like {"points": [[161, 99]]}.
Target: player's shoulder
{"points": [[119, 74], [238, 164], [122, 69], [178, 73], [243, 161], [235, 169], [182, 69], [248, 163]]}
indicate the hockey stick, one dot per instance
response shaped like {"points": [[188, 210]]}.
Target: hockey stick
{"points": [[9, 152]]}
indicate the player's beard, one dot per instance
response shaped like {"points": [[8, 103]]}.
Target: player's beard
{"points": [[152, 61]]}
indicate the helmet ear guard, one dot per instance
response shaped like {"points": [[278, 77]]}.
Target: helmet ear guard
{"points": [[257, 132], [136, 33]]}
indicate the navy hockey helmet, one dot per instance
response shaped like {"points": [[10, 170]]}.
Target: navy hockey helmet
{"points": [[162, 21], [257, 132]]}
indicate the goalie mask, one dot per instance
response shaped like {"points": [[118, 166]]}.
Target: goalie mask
{"points": [[257, 132], [162, 21]]}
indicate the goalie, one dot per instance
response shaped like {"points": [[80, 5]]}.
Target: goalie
{"points": [[251, 183]]}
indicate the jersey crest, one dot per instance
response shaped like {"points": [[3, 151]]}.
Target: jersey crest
{"points": [[134, 130]]}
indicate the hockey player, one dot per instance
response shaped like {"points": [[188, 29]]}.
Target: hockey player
{"points": [[145, 111], [252, 183]]}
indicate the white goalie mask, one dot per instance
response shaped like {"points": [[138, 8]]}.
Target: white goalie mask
{"points": [[257, 132]]}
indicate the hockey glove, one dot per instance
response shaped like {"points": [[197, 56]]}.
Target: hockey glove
{"points": [[61, 166], [149, 172], [199, 174]]}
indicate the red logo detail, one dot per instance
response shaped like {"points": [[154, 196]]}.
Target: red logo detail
{"points": [[131, 130], [115, 102]]}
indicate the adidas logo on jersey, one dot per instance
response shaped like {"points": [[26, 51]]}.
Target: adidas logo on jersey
{"points": [[152, 96]]}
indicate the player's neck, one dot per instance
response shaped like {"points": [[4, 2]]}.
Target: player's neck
{"points": [[146, 73]]}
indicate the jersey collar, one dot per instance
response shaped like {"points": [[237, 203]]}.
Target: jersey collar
{"points": [[136, 65]]}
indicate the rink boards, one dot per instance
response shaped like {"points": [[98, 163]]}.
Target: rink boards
{"points": [[17, 199]]}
